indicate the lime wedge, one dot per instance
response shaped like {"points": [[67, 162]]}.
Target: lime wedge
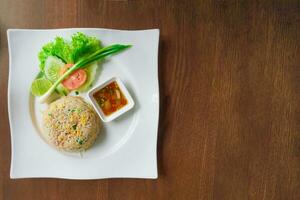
{"points": [[52, 68], [40, 86]]}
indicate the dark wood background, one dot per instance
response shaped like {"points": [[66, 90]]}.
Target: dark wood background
{"points": [[230, 97]]}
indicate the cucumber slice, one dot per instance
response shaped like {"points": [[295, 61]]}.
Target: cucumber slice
{"points": [[40, 86], [61, 90], [91, 72], [52, 68]]}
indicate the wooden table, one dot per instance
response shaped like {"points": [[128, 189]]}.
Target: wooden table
{"points": [[230, 97]]}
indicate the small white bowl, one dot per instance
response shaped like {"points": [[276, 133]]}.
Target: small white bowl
{"points": [[117, 113]]}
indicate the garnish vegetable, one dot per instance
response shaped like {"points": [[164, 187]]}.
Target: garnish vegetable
{"points": [[99, 54], [69, 65]]}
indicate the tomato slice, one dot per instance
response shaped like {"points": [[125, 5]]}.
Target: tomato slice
{"points": [[75, 79], [65, 68]]}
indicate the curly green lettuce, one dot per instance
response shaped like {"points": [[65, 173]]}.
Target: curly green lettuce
{"points": [[83, 45], [72, 51]]}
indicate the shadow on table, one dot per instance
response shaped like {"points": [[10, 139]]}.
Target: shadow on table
{"points": [[163, 108]]}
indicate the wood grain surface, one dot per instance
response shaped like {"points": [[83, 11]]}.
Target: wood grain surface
{"points": [[230, 97]]}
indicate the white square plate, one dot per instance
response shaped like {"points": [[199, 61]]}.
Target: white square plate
{"points": [[127, 146]]}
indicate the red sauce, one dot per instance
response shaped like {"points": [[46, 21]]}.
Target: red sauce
{"points": [[110, 98]]}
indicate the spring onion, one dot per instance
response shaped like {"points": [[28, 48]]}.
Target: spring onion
{"points": [[97, 55]]}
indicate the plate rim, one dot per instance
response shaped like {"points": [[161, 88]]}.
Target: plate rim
{"points": [[9, 98]]}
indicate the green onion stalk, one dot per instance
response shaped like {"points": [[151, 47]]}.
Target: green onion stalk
{"points": [[97, 55]]}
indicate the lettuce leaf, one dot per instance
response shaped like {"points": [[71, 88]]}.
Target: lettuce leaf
{"points": [[59, 48], [83, 45], [72, 51]]}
